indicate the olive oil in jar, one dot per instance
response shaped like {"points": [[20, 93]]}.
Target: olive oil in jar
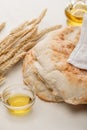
{"points": [[75, 12], [19, 104]]}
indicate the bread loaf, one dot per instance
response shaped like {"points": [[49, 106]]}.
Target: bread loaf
{"points": [[45, 67]]}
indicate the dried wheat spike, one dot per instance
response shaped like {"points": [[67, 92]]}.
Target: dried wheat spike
{"points": [[18, 56], [7, 38], [42, 33], [45, 31], [2, 79], [40, 17], [20, 44], [14, 40], [2, 25], [3, 42], [8, 64], [27, 23], [22, 26], [29, 46], [11, 41], [16, 32]]}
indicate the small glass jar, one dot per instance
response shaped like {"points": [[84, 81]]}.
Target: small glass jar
{"points": [[18, 98], [75, 11]]}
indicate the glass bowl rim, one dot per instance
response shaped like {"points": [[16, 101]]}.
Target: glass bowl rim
{"points": [[20, 86]]}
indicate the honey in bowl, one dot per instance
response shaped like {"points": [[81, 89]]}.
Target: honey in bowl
{"points": [[18, 99], [75, 12]]}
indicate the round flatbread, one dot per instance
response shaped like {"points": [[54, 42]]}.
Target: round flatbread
{"points": [[45, 67]]}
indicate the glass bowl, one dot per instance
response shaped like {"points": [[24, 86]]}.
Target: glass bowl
{"points": [[18, 98], [75, 12]]}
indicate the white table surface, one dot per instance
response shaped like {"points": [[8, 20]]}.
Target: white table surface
{"points": [[44, 116]]}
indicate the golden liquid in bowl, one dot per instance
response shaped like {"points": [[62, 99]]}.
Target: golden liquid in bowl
{"points": [[75, 13], [19, 100]]}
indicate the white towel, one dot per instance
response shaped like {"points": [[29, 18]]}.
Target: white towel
{"points": [[79, 55]]}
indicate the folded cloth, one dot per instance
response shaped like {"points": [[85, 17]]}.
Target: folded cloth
{"points": [[78, 57]]}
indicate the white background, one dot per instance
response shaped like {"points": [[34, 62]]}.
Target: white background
{"points": [[44, 116]]}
